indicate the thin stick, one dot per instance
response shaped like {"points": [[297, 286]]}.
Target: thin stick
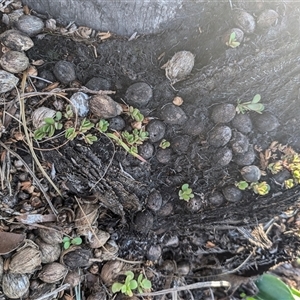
{"points": [[197, 285], [32, 175], [61, 288]]}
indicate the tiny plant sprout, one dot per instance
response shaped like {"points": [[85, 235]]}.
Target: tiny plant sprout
{"points": [[260, 188], [185, 193], [127, 287], [232, 42], [164, 144], [275, 167], [253, 105], [289, 183], [242, 185], [144, 284], [68, 242]]}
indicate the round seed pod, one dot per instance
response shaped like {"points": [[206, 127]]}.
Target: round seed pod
{"points": [[154, 201], [50, 236], [108, 252], [7, 81], [251, 173], [244, 20], [223, 113], [173, 115], [53, 272], [183, 268], [16, 40], [139, 94], [40, 114], [232, 193], [242, 123], [154, 252], [156, 129], [30, 25], [76, 257], [179, 66], [239, 36], [219, 136], [73, 278], [64, 71], [26, 260], [104, 107], [222, 157], [216, 198], [265, 122], [49, 252], [194, 204], [245, 159], [267, 18], [239, 143], [14, 61], [15, 286], [110, 271]]}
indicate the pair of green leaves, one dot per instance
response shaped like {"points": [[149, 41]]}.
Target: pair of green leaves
{"points": [[272, 288], [232, 42], [253, 105], [68, 242], [185, 193], [131, 284]]}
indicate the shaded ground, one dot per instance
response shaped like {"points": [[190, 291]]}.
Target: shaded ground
{"points": [[204, 236]]}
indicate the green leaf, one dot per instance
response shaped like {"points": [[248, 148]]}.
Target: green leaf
{"points": [[77, 241], [272, 288], [129, 276], [39, 134], [51, 131], [66, 239], [146, 284], [258, 107], [133, 284], [184, 187], [70, 134], [58, 126], [67, 245], [58, 116], [234, 44], [140, 278], [49, 121], [256, 98], [116, 287]]}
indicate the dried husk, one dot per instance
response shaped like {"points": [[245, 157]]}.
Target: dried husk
{"points": [[15, 286], [98, 239], [49, 252], [39, 289], [179, 66], [16, 40], [267, 18], [107, 252], [86, 216], [50, 236], [76, 257], [7, 81], [73, 278], [53, 272], [40, 114], [26, 260], [110, 271], [14, 61]]}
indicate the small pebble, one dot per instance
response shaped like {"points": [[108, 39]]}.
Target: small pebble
{"points": [[219, 136], [267, 18], [146, 150], [246, 158], [244, 20], [239, 143], [143, 221], [64, 71], [194, 127], [194, 204], [232, 193], [154, 201], [242, 123], [222, 157], [16, 40], [223, 113], [181, 143], [154, 253], [173, 115], [30, 25], [164, 155], [251, 173], [98, 84], [265, 122], [139, 94], [117, 123], [104, 107], [7, 81], [81, 102], [216, 198], [156, 129], [183, 268], [166, 210], [14, 61]]}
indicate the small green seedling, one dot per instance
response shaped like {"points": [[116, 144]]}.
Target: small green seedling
{"points": [[164, 144], [253, 105], [232, 42], [185, 193], [102, 126], [135, 114], [144, 284], [242, 185], [48, 129], [69, 241], [260, 188], [69, 112], [127, 287]]}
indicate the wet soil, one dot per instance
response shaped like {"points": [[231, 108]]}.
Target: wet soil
{"points": [[139, 201]]}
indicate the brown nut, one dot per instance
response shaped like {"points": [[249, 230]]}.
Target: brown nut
{"points": [[53, 272], [110, 271], [15, 286], [50, 236], [98, 239], [49, 252]]}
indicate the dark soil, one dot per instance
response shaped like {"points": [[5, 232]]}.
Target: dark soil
{"points": [[139, 202]]}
